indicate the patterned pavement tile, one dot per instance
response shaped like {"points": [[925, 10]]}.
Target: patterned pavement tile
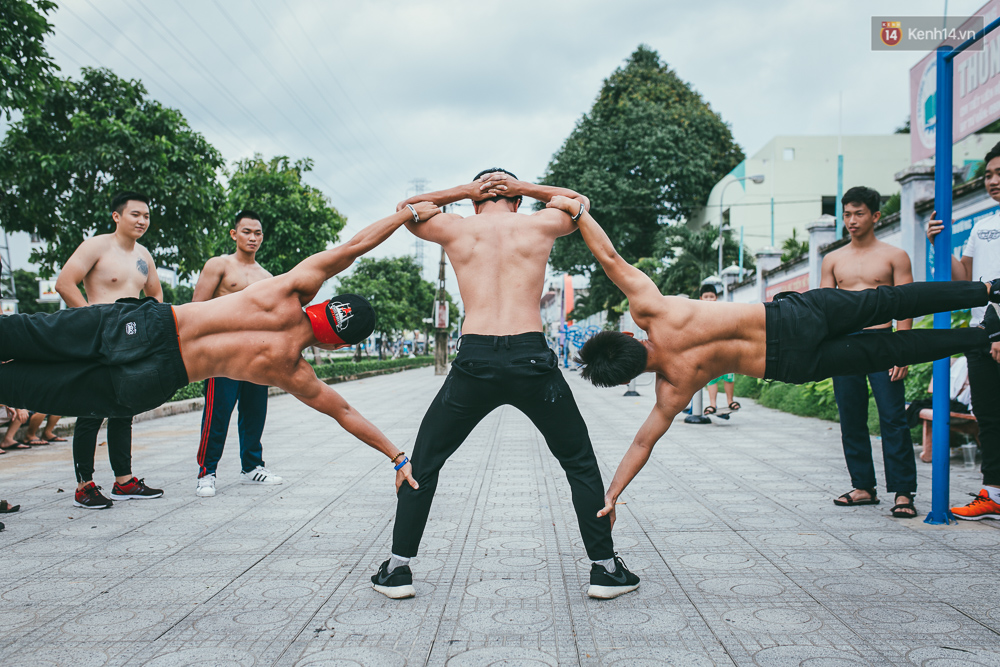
{"points": [[744, 560]]}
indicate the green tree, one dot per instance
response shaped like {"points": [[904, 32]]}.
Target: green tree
{"points": [[25, 65], [26, 286], [298, 219], [793, 246], [62, 163], [395, 288], [649, 151], [689, 257]]}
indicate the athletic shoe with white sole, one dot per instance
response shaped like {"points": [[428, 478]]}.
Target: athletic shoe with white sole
{"points": [[605, 585], [206, 486], [260, 475], [91, 498], [396, 585], [134, 489], [983, 507]]}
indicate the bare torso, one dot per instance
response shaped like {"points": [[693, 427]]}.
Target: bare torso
{"points": [[499, 259], [237, 275], [856, 267], [256, 334], [118, 272], [692, 342]]}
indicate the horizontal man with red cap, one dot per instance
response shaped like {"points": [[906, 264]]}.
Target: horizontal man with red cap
{"points": [[123, 358]]}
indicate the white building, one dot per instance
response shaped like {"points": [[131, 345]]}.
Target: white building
{"points": [[800, 176]]}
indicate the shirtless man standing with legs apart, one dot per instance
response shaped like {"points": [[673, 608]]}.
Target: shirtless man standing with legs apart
{"points": [[111, 267], [867, 263], [224, 275], [499, 258]]}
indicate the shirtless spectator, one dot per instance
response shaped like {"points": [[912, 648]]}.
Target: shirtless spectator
{"points": [[499, 258], [223, 275], [111, 267], [866, 263]]}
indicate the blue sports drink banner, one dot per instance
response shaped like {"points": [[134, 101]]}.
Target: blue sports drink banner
{"points": [[960, 231]]}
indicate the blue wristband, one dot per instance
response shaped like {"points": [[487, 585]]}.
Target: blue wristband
{"points": [[402, 463]]}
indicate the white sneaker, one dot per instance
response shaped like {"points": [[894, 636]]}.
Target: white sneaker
{"points": [[260, 475], [206, 486]]}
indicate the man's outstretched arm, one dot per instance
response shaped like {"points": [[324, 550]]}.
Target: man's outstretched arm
{"points": [[476, 191], [505, 185], [668, 404], [642, 293], [310, 274], [306, 387]]}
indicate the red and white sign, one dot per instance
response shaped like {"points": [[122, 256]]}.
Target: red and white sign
{"points": [[797, 284], [976, 90]]}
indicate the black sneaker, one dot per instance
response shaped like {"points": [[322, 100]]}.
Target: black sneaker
{"points": [[991, 322], [134, 489], [397, 585], [605, 585], [91, 498]]}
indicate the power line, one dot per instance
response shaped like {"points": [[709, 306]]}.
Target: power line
{"points": [[253, 83], [347, 96], [130, 59], [319, 90], [290, 92]]}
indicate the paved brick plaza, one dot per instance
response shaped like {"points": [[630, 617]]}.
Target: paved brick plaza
{"points": [[744, 559]]}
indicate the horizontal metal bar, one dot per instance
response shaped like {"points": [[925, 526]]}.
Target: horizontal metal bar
{"points": [[972, 40]]}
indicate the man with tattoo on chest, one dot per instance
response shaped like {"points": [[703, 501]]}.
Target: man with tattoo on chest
{"points": [[111, 267], [223, 275]]}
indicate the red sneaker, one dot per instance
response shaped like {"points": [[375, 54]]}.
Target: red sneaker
{"points": [[983, 507], [134, 489], [91, 498]]}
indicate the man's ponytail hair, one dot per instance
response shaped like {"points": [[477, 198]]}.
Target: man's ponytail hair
{"points": [[612, 358]]}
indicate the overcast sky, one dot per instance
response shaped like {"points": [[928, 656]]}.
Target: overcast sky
{"points": [[381, 93]]}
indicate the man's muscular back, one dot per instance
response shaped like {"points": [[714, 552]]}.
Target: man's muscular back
{"points": [[499, 258]]}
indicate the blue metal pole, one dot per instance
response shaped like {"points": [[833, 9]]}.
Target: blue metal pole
{"points": [[940, 512]]}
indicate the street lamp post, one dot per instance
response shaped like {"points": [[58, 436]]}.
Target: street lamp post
{"points": [[756, 178]]}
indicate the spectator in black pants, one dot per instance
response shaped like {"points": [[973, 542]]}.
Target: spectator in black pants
{"points": [[981, 257], [867, 263], [111, 267]]}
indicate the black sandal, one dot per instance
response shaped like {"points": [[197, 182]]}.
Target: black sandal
{"points": [[848, 501], [710, 410], [734, 406], [898, 509]]}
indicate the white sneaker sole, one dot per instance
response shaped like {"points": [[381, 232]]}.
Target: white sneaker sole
{"points": [[395, 592], [91, 507], [609, 592], [205, 494], [262, 482], [977, 518]]}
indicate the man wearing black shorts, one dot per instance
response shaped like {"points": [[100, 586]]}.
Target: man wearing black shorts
{"points": [[123, 358], [795, 338]]}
